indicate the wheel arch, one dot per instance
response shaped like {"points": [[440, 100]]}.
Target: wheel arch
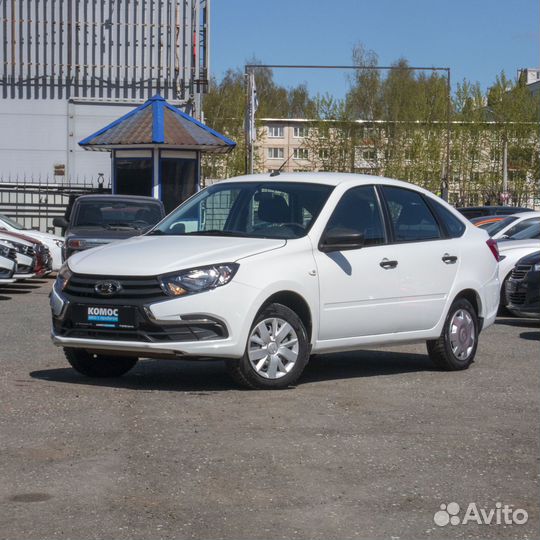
{"points": [[297, 303], [476, 301]]}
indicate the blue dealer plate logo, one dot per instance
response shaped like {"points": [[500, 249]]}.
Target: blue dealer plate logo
{"points": [[99, 314]]}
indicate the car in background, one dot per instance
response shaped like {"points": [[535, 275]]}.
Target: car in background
{"points": [[510, 252], [95, 220], [523, 287], [8, 263], [477, 211], [25, 255], [484, 222], [265, 270], [33, 257], [512, 225], [52, 241]]}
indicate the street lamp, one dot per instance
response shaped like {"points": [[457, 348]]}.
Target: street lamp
{"points": [[505, 153]]}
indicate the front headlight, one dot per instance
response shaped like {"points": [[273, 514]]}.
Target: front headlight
{"points": [[4, 251], [197, 280], [63, 277], [536, 267]]}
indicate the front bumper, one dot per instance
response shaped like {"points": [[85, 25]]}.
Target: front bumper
{"points": [[524, 295], [204, 324]]}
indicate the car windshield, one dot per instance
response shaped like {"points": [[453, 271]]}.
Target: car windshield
{"points": [[529, 233], [252, 209], [117, 214], [493, 228], [12, 222]]}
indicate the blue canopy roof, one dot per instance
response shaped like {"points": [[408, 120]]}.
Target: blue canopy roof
{"points": [[158, 122]]}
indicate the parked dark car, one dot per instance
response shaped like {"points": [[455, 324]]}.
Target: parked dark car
{"points": [[523, 287], [94, 220], [477, 211]]}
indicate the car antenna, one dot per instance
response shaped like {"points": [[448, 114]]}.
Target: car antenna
{"points": [[276, 173]]}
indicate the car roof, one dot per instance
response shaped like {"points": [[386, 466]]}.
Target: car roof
{"points": [[327, 178], [496, 217], [526, 214], [108, 197]]}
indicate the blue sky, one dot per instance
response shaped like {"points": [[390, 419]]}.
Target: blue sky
{"points": [[475, 38]]}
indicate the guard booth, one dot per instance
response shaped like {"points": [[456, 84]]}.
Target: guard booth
{"points": [[156, 151]]}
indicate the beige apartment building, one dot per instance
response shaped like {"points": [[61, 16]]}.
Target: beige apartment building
{"points": [[414, 151]]}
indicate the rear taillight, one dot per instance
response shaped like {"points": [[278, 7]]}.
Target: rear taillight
{"points": [[494, 248]]}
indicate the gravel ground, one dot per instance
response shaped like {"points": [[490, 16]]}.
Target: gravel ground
{"points": [[369, 445]]}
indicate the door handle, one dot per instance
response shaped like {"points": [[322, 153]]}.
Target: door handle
{"points": [[449, 259], [387, 265]]}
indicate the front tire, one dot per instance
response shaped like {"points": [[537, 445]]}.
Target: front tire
{"points": [[276, 353], [456, 348], [98, 365]]}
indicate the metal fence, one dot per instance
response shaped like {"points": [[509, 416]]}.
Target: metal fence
{"points": [[35, 204]]}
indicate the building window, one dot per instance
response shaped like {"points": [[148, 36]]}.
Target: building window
{"points": [[369, 155], [275, 131], [275, 153], [300, 132], [300, 153], [324, 153], [369, 132]]}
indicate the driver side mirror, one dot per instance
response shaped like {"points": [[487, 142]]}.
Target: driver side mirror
{"points": [[60, 222], [178, 228], [340, 239]]}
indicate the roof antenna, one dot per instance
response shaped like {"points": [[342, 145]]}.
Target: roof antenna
{"points": [[276, 173]]}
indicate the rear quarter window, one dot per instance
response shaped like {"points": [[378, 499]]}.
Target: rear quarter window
{"points": [[453, 225]]}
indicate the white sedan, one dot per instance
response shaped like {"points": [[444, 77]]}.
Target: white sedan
{"points": [[53, 242], [276, 267], [512, 225]]}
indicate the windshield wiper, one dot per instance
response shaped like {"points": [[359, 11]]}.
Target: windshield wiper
{"points": [[91, 224]]}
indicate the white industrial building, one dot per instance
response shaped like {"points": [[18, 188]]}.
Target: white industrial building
{"points": [[69, 68]]}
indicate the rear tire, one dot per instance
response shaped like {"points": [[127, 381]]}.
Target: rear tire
{"points": [[276, 353], [98, 365], [456, 348]]}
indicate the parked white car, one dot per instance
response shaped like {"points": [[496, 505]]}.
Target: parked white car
{"points": [[265, 270], [510, 252], [8, 263], [25, 256], [53, 242], [512, 225]]}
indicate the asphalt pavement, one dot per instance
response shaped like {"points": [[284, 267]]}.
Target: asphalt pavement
{"points": [[369, 445]]}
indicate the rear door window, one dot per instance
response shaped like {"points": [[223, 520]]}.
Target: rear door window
{"points": [[410, 216]]}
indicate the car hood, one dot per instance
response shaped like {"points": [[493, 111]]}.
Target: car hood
{"points": [[154, 255], [15, 237], [533, 258], [102, 234], [38, 235]]}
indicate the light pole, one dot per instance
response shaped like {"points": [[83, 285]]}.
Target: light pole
{"points": [[501, 120]]}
